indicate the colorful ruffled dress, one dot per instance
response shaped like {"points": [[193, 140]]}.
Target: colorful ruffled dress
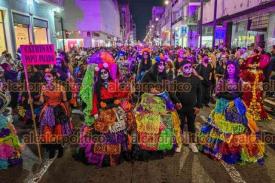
{"points": [[104, 141], [10, 153], [157, 126], [55, 123], [231, 134]]}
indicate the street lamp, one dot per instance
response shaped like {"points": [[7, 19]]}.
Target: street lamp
{"points": [[157, 19], [166, 2]]}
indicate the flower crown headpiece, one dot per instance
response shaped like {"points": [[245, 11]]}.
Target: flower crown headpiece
{"points": [[101, 66], [146, 50]]}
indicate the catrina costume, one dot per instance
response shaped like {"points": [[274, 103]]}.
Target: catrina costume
{"points": [[10, 153], [54, 119], [252, 72], [104, 135], [157, 122], [231, 134]]}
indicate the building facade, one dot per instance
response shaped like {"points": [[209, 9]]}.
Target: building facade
{"points": [[154, 27], [126, 24], [241, 22], [27, 22], [88, 24], [179, 23]]}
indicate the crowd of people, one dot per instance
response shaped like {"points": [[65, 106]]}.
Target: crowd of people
{"points": [[137, 100]]}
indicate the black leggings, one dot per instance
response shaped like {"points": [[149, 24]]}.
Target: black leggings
{"points": [[205, 94], [187, 116], [51, 148]]}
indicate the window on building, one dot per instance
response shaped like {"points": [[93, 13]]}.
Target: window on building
{"points": [[21, 29], [40, 31], [2, 33], [21, 34], [40, 35]]}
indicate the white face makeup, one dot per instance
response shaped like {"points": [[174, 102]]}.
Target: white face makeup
{"points": [[145, 55], [49, 78], [161, 67], [104, 74], [231, 69], [58, 62], [187, 69]]}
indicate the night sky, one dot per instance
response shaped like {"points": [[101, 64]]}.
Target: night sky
{"points": [[142, 13]]}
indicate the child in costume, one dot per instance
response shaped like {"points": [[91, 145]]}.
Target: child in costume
{"points": [[10, 153], [231, 134]]}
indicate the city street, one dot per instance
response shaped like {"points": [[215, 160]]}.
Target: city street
{"points": [[182, 167], [137, 91]]}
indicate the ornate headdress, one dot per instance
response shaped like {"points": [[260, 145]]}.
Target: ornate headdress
{"points": [[148, 50], [104, 60]]}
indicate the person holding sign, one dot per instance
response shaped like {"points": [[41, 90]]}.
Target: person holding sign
{"points": [[54, 118]]}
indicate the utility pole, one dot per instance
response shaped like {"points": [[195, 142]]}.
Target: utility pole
{"points": [[171, 25], [62, 31], [214, 23], [201, 30]]}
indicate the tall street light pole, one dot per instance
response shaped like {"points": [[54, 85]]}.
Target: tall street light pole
{"points": [[214, 23], [62, 30], [171, 25]]}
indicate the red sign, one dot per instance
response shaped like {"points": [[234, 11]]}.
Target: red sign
{"points": [[39, 54]]}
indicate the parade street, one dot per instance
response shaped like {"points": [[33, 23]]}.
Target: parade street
{"points": [[182, 167], [137, 91]]}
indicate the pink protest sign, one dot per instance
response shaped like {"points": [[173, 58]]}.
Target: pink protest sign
{"points": [[39, 54]]}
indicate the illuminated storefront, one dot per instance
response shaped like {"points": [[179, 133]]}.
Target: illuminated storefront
{"points": [[3, 46], [27, 22], [70, 43]]}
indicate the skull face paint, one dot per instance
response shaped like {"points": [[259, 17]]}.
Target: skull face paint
{"points": [[104, 74], [187, 69], [49, 78], [58, 62], [231, 70], [161, 67]]}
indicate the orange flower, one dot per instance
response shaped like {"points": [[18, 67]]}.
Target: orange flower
{"points": [[117, 102], [101, 127], [103, 104]]}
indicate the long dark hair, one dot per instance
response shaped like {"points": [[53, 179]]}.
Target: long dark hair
{"points": [[237, 70], [154, 72], [99, 83], [149, 61]]}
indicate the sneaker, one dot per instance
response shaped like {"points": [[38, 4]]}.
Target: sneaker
{"points": [[193, 147], [178, 149]]}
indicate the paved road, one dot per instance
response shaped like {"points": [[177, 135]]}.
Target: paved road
{"points": [[182, 167]]}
